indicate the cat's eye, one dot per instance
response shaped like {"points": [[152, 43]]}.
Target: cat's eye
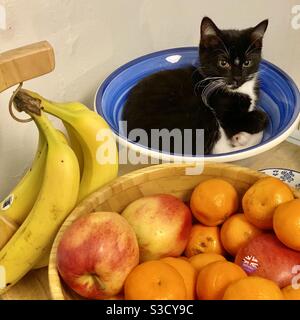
{"points": [[247, 63], [223, 64]]}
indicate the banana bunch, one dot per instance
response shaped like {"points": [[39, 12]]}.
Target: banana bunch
{"points": [[91, 139], [57, 196], [61, 175]]}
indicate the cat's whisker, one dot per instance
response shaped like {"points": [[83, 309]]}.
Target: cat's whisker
{"points": [[251, 44], [200, 70], [197, 69], [254, 49], [252, 76], [209, 89], [210, 78], [220, 87], [202, 83], [199, 84]]}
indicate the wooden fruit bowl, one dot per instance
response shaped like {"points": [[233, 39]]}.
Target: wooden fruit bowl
{"points": [[166, 178]]}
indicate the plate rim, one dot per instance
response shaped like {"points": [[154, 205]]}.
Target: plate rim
{"points": [[279, 168]]}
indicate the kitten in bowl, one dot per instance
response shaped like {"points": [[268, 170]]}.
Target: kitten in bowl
{"points": [[218, 96]]}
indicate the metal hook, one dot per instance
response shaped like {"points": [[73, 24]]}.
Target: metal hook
{"points": [[11, 104]]}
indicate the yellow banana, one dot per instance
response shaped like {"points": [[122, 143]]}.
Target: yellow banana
{"points": [[16, 206], [62, 136], [44, 259], [75, 145], [100, 156], [57, 197]]}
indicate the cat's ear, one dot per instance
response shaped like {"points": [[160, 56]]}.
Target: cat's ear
{"points": [[258, 32], [209, 32]]}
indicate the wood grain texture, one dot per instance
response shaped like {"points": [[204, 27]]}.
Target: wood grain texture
{"points": [[25, 63], [35, 285]]}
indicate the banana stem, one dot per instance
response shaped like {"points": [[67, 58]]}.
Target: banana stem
{"points": [[34, 106], [24, 102], [32, 103]]}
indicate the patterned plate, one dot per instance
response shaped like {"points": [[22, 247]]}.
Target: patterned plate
{"points": [[291, 177]]}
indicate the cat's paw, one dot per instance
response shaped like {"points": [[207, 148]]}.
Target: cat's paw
{"points": [[240, 139]]}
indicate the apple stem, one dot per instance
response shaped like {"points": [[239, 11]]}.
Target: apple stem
{"points": [[98, 282]]}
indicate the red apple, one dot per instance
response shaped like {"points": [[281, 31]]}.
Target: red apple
{"points": [[96, 253], [162, 224], [267, 257]]}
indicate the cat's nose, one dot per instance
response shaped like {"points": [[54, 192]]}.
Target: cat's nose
{"points": [[237, 80]]}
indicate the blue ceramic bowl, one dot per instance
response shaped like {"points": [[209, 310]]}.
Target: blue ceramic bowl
{"points": [[279, 98]]}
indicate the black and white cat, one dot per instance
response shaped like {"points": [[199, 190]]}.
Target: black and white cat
{"points": [[219, 96]]}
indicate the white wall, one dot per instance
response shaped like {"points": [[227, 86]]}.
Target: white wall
{"points": [[93, 37]]}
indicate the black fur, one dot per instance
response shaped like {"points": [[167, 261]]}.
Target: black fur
{"points": [[177, 98]]}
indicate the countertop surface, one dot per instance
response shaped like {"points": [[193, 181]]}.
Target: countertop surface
{"points": [[35, 284]]}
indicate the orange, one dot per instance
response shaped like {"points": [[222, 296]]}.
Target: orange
{"points": [[291, 294], [236, 232], [286, 223], [154, 280], [253, 288], [203, 239], [213, 201], [262, 198], [188, 273], [184, 258], [216, 277], [199, 261]]}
